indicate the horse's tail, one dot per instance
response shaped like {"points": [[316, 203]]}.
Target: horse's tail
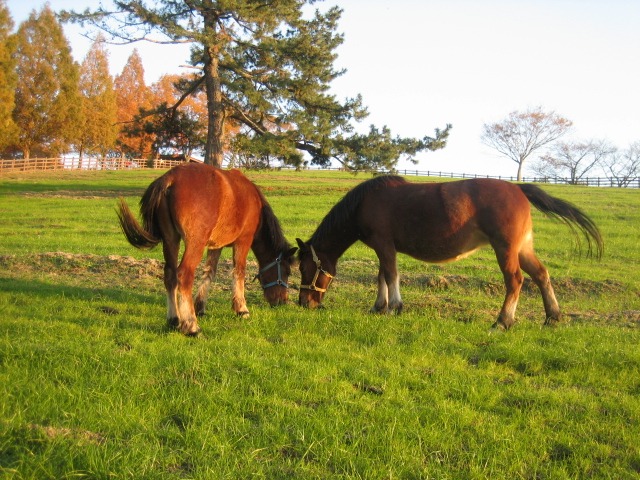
{"points": [[143, 236], [567, 213]]}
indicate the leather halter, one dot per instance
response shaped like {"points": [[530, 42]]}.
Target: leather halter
{"points": [[312, 286], [279, 281]]}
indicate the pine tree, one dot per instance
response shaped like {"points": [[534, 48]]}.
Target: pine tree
{"points": [[132, 95], [8, 78], [267, 66], [182, 129], [99, 108], [47, 101]]}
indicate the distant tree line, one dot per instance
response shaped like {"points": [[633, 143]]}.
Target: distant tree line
{"points": [[522, 134], [259, 91], [50, 105]]}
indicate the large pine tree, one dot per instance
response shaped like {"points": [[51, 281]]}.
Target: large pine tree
{"points": [[8, 78], [268, 65], [47, 101], [99, 109]]}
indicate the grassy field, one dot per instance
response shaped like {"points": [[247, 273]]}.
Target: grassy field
{"points": [[93, 385]]}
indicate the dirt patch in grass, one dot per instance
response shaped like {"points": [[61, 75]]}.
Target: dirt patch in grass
{"points": [[99, 270], [578, 286], [61, 263], [81, 436], [76, 194]]}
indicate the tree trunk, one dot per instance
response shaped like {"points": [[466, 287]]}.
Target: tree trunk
{"points": [[520, 165], [215, 111]]}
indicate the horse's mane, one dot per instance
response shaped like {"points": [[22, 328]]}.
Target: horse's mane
{"points": [[342, 216], [270, 229]]}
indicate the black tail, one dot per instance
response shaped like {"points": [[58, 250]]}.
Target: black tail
{"points": [[145, 236], [567, 213]]}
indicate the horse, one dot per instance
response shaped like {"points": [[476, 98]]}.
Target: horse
{"points": [[439, 223], [206, 207]]}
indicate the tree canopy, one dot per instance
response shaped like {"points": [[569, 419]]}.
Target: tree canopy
{"points": [[266, 65]]}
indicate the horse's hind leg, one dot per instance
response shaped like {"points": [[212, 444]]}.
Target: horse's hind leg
{"points": [[170, 247], [539, 274], [188, 323], [513, 279], [210, 269]]}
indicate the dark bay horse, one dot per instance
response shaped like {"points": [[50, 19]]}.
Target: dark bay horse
{"points": [[210, 208], [439, 222]]}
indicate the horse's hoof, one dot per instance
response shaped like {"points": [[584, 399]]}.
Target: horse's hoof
{"points": [[498, 327], [244, 314], [193, 332], [398, 309], [551, 322], [173, 323]]}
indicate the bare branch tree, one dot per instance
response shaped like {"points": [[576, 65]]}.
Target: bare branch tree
{"points": [[574, 160], [522, 133], [624, 167]]}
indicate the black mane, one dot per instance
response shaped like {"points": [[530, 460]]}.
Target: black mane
{"points": [[342, 217], [270, 230]]}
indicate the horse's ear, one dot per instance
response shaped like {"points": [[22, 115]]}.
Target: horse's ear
{"points": [[291, 252], [303, 246]]}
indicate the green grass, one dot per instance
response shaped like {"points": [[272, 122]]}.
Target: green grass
{"points": [[92, 385]]}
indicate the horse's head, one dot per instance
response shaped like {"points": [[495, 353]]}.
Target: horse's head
{"points": [[274, 277], [316, 273]]}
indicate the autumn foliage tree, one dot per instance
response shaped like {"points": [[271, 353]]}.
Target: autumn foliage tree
{"points": [[8, 78], [47, 101], [132, 96], [99, 109], [522, 133], [267, 65]]}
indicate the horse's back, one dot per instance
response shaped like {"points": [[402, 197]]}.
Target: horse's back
{"points": [[440, 222], [208, 201]]}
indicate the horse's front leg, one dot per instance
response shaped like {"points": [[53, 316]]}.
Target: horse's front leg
{"points": [[210, 269], [388, 283], [240, 252], [382, 302]]}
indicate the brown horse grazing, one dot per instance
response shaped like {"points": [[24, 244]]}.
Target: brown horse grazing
{"points": [[209, 208], [438, 222]]}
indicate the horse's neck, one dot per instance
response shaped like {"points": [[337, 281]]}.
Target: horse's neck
{"points": [[334, 248], [263, 254]]}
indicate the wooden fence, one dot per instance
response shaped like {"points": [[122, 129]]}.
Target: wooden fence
{"points": [[74, 163]]}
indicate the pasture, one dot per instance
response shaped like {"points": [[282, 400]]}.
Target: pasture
{"points": [[93, 385]]}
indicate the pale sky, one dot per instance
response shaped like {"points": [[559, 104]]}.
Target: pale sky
{"points": [[420, 64]]}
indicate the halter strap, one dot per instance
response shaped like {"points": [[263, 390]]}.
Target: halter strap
{"points": [[279, 281], [312, 286]]}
